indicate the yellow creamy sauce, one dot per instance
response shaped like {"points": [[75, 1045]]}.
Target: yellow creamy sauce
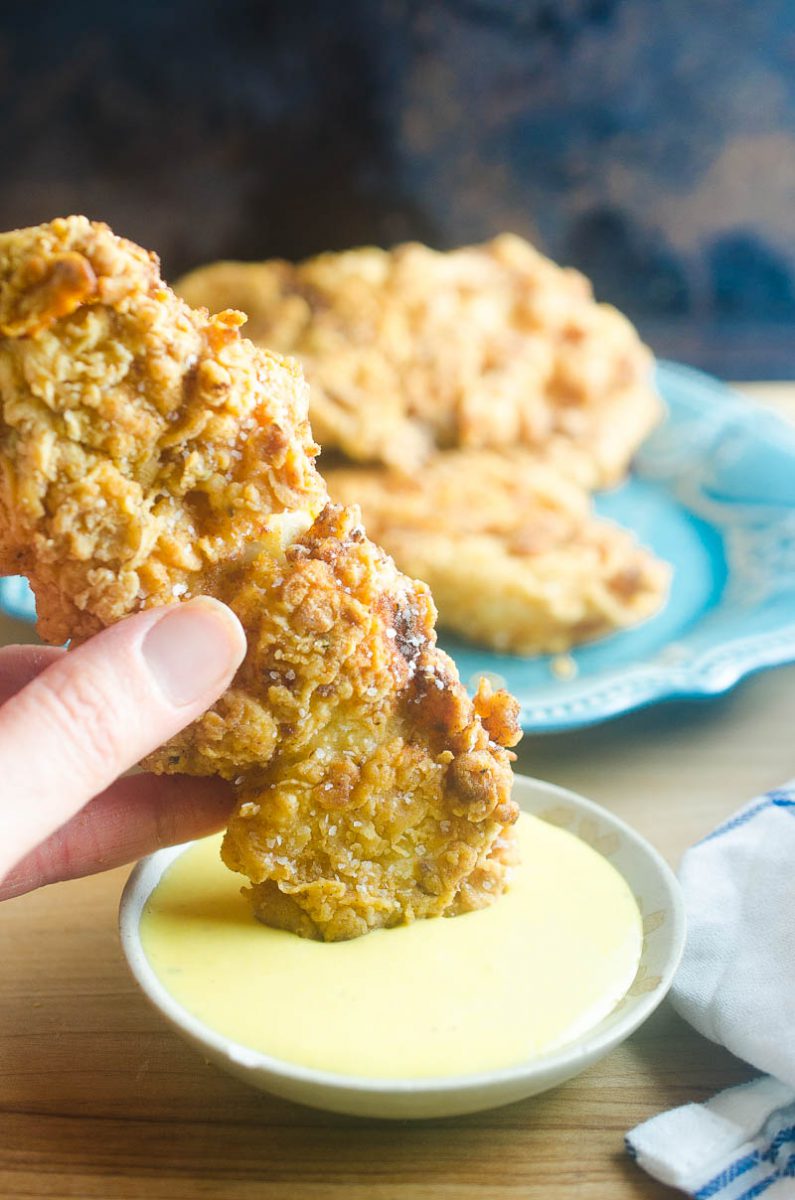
{"points": [[442, 997]]}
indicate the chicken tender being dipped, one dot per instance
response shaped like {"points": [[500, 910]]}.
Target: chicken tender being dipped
{"points": [[411, 350], [148, 453]]}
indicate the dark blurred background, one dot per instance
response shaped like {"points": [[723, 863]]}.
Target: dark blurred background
{"points": [[649, 142]]}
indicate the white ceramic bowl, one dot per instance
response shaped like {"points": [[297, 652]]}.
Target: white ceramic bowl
{"points": [[653, 885]]}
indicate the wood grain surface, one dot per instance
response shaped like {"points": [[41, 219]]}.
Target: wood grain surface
{"points": [[98, 1099]]}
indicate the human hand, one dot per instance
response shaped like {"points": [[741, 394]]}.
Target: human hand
{"points": [[71, 723]]}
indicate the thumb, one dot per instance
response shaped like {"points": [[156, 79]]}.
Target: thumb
{"points": [[100, 708]]}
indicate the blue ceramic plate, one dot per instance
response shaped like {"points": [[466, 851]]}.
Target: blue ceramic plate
{"points": [[714, 495], [16, 599]]}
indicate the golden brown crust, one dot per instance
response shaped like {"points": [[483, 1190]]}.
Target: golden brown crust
{"points": [[141, 442], [148, 452], [510, 547], [487, 346]]}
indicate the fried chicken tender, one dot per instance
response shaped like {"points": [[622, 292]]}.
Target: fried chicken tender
{"points": [[510, 547], [390, 797], [410, 350], [148, 453]]}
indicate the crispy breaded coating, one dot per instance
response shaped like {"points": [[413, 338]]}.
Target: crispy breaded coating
{"points": [[406, 805], [410, 350], [143, 446], [148, 452], [511, 549]]}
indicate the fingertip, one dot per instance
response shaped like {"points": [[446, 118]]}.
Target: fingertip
{"points": [[194, 650]]}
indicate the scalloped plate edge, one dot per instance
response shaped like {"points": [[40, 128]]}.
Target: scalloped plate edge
{"points": [[713, 673]]}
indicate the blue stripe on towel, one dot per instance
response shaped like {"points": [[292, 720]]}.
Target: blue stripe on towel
{"points": [[777, 799], [785, 1172], [728, 1175], [747, 1163], [758, 1188], [783, 1135]]}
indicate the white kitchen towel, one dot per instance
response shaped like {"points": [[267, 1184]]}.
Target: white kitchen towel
{"points": [[736, 985], [739, 1145]]}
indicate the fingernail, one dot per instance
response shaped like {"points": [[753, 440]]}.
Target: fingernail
{"points": [[193, 649]]}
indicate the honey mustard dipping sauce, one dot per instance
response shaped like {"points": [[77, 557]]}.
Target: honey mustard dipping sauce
{"points": [[451, 996]]}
